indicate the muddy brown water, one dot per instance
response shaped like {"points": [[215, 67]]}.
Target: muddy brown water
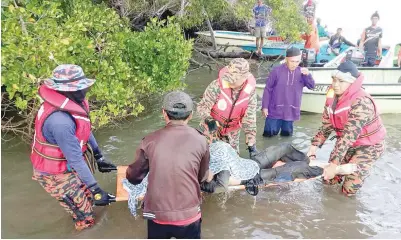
{"points": [[299, 210]]}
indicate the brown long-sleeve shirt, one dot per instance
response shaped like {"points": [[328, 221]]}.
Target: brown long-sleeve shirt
{"points": [[177, 160]]}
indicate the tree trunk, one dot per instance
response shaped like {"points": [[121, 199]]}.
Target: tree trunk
{"points": [[220, 54], [243, 54], [209, 25], [181, 12]]}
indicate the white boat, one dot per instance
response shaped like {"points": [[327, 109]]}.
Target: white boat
{"points": [[383, 84], [232, 38], [385, 62]]}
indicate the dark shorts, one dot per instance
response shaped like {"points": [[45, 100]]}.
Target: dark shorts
{"points": [[273, 127], [370, 61], [161, 231]]}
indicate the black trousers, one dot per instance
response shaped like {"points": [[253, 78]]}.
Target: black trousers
{"points": [[161, 231]]}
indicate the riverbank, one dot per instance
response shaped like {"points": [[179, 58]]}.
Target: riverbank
{"points": [[299, 210]]}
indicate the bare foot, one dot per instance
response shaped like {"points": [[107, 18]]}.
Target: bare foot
{"points": [[278, 164]]}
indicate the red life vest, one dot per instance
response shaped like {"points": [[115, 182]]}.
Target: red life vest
{"points": [[49, 158], [226, 110], [373, 132]]}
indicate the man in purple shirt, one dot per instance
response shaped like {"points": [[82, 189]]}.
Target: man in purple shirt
{"points": [[283, 93]]}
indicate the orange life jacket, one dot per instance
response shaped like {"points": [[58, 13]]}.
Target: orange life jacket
{"points": [[49, 158], [373, 132], [226, 110]]}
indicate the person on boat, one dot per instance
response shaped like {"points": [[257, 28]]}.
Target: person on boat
{"points": [[336, 41], [310, 9], [399, 56], [174, 159], [322, 31], [260, 14], [370, 41], [312, 38], [64, 150], [282, 95], [229, 104], [353, 115]]}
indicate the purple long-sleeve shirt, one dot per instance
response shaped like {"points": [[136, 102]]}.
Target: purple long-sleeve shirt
{"points": [[59, 128], [283, 92]]}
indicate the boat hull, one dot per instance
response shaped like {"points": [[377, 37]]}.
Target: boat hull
{"points": [[273, 48], [383, 85], [387, 97], [235, 38], [372, 74]]}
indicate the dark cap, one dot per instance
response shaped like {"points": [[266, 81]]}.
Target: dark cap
{"points": [[177, 101], [349, 67], [292, 52], [347, 71]]}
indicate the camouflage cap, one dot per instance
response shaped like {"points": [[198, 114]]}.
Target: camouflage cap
{"points": [[178, 101], [68, 78], [238, 69]]}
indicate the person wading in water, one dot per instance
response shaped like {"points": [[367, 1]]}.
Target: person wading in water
{"points": [[64, 150], [281, 101], [176, 160], [353, 115], [229, 104]]}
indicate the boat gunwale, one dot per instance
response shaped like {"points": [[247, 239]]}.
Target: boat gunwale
{"points": [[395, 95], [262, 85], [360, 68], [377, 96]]}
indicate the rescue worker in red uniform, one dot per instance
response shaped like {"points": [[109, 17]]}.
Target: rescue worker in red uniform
{"points": [[353, 115], [64, 150], [229, 104]]}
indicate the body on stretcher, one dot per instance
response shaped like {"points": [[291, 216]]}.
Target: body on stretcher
{"points": [[122, 194]]}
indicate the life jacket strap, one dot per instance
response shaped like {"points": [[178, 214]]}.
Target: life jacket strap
{"points": [[45, 143], [48, 157], [372, 132], [89, 157]]}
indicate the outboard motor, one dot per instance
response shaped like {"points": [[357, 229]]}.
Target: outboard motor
{"points": [[356, 56], [308, 57]]}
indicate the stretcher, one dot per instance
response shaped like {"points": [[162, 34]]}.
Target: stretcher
{"points": [[122, 194]]}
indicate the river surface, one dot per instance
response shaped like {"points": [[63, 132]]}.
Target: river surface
{"points": [[299, 210]]}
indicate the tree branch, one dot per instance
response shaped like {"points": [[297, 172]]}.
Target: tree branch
{"points": [[23, 26]]}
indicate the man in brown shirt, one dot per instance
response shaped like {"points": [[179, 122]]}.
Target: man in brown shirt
{"points": [[176, 158]]}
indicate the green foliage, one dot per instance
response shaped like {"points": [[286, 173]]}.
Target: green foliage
{"points": [[38, 35], [288, 20], [198, 10], [161, 52]]}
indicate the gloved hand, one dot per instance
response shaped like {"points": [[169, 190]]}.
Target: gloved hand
{"points": [[212, 124], [208, 187], [105, 166], [252, 185], [100, 197], [252, 151]]}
